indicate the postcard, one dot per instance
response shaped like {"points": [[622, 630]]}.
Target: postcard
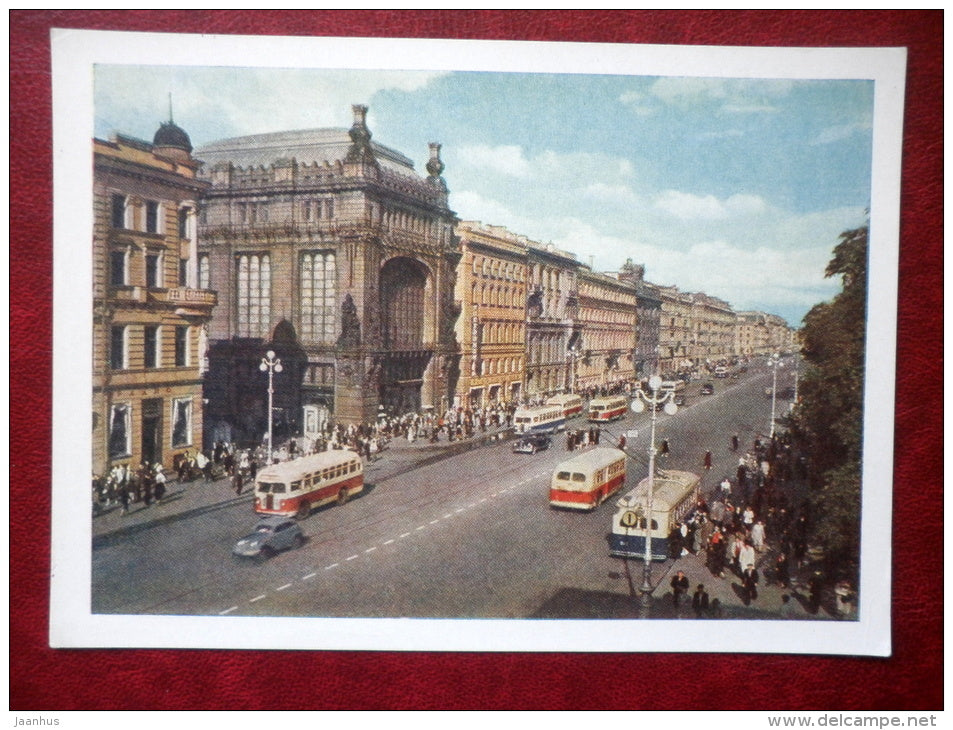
{"points": [[442, 345]]}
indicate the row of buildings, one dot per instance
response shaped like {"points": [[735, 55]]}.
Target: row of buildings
{"points": [[330, 250]]}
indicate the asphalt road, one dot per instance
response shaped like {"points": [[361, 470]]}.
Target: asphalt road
{"points": [[468, 536]]}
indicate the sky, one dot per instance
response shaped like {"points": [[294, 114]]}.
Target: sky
{"points": [[738, 188]]}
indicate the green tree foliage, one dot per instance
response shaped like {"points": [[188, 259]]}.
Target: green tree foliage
{"points": [[829, 420]]}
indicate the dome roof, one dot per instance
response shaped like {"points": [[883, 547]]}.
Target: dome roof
{"points": [[172, 135]]}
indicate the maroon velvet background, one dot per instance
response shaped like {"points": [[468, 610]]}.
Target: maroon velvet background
{"points": [[44, 679]]}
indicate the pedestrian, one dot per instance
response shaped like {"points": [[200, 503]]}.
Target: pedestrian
{"points": [[734, 442], [700, 601], [746, 554], [781, 570], [726, 487], [814, 588], [159, 483], [788, 609], [663, 450], [679, 586], [124, 500], [757, 536], [622, 442], [749, 584], [237, 481], [708, 461]]}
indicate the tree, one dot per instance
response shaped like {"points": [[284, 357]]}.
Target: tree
{"points": [[828, 424]]}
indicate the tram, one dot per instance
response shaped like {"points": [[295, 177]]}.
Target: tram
{"points": [[674, 496], [539, 419], [603, 410], [296, 487], [586, 481], [571, 404]]}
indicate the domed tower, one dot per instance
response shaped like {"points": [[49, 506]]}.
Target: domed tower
{"points": [[172, 141]]}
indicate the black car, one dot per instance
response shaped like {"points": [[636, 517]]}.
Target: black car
{"points": [[531, 443], [708, 389]]}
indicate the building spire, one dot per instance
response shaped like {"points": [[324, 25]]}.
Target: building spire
{"points": [[171, 120]]}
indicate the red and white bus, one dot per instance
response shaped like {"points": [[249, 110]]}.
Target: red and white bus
{"points": [[607, 409], [298, 486], [570, 403], [586, 481]]}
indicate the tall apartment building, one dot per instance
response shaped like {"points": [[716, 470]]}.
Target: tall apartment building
{"points": [[676, 331], [331, 250], [553, 337], [606, 321], [648, 304], [491, 329], [150, 309], [713, 323]]}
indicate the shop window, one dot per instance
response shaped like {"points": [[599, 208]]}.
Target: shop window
{"points": [[181, 422], [120, 431]]}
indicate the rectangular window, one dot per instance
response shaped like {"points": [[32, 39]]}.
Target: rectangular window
{"points": [[118, 213], [253, 301], [154, 270], [152, 216], [205, 272], [120, 431], [118, 269], [117, 347], [184, 223], [318, 284], [151, 346], [181, 422], [183, 272], [181, 346]]}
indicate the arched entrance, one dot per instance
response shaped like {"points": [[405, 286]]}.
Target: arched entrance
{"points": [[404, 317]]}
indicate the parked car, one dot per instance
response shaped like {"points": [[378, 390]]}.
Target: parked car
{"points": [[531, 443], [271, 535], [708, 389]]}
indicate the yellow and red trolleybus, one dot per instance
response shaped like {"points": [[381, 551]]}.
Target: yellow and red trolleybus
{"points": [[607, 409], [586, 481], [298, 486]]}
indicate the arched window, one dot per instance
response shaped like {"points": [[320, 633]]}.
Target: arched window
{"points": [[402, 303]]}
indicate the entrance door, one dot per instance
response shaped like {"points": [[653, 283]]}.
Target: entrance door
{"points": [[152, 430]]}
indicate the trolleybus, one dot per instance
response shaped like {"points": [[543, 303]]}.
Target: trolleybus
{"points": [[586, 481], [674, 496], [571, 404], [607, 409], [539, 419], [298, 486]]}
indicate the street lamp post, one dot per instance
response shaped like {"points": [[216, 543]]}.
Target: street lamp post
{"points": [[638, 405], [775, 362], [272, 365]]}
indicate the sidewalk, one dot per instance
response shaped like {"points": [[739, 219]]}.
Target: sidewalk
{"points": [[185, 499]]}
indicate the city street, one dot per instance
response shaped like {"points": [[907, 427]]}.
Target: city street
{"points": [[435, 534]]}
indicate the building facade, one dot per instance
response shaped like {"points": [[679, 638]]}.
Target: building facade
{"points": [[150, 309], [676, 332], [330, 250], [606, 323], [713, 325], [648, 319], [553, 337], [491, 329]]}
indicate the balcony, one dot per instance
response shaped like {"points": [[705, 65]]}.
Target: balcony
{"points": [[184, 296]]}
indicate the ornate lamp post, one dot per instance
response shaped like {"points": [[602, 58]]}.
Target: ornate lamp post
{"points": [[638, 405], [272, 365], [774, 362]]}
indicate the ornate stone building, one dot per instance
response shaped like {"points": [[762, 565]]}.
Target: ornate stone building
{"points": [[606, 323], [149, 306], [676, 332], [648, 304], [491, 330], [713, 325], [332, 251]]}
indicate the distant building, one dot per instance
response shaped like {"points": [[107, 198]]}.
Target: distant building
{"points": [[150, 306], [648, 303], [332, 251]]}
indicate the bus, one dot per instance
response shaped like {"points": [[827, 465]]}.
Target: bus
{"points": [[674, 496], [675, 386], [602, 410], [586, 481], [539, 419], [571, 404], [296, 487]]}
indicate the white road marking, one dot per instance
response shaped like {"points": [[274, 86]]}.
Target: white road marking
{"points": [[371, 549], [406, 534], [332, 565], [353, 557], [281, 588], [388, 542], [459, 510], [446, 517], [309, 575], [228, 610], [257, 598], [422, 527]]}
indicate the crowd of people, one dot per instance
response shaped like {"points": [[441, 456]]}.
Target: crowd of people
{"points": [[752, 529]]}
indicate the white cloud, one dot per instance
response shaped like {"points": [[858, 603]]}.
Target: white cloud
{"points": [[687, 206], [507, 160], [840, 132]]}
